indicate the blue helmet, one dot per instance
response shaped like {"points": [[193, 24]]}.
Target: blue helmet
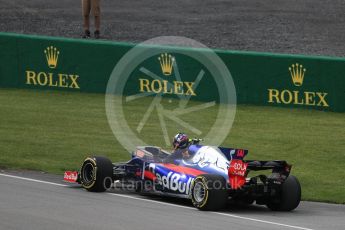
{"points": [[180, 141]]}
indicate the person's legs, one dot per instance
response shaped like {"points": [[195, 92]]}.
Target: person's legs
{"points": [[97, 22], [96, 9], [86, 6]]}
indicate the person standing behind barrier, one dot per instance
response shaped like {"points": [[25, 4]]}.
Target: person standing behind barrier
{"points": [[91, 7]]}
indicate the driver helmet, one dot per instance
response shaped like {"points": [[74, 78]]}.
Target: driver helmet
{"points": [[181, 141]]}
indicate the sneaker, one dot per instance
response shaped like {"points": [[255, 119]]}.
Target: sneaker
{"points": [[86, 34], [97, 34]]}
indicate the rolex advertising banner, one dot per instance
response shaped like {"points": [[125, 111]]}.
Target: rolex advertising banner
{"points": [[37, 62], [288, 80]]}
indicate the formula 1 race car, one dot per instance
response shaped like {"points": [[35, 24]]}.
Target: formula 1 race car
{"points": [[209, 177]]}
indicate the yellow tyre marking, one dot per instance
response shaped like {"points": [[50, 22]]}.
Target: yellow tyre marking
{"points": [[203, 179], [95, 173]]}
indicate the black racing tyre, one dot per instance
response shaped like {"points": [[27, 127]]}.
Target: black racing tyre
{"points": [[208, 192], [289, 197], [96, 174]]}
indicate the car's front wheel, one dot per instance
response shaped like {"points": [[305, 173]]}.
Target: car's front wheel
{"points": [[209, 192], [96, 174]]}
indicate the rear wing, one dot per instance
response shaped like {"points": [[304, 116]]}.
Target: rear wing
{"points": [[239, 169], [276, 166], [239, 154]]}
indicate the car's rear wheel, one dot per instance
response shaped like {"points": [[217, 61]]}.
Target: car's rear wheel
{"points": [[96, 174], [209, 192], [289, 196]]}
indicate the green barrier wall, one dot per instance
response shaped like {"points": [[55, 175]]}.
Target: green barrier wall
{"points": [[85, 66]]}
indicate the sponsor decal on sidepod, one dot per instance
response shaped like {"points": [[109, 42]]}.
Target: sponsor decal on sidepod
{"points": [[171, 180]]}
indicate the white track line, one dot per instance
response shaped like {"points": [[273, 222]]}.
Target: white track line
{"points": [[262, 221], [33, 180], [164, 203]]}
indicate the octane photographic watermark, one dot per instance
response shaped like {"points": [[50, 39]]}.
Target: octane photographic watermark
{"points": [[149, 186], [167, 85]]}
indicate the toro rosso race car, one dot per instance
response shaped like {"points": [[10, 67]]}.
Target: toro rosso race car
{"points": [[209, 177]]}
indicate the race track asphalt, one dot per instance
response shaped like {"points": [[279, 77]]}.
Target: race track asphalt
{"points": [[45, 202]]}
